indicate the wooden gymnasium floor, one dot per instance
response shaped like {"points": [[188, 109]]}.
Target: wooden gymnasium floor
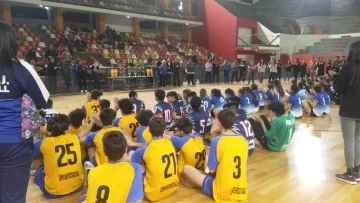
{"points": [[303, 173]]}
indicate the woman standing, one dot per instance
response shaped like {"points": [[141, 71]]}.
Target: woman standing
{"points": [[226, 67], [191, 67], [321, 67], [208, 69], [262, 69], [17, 78], [94, 67], [242, 69], [216, 67], [80, 73], [348, 84], [287, 70], [273, 70], [234, 71], [328, 67], [302, 69], [162, 73], [252, 70], [296, 68]]}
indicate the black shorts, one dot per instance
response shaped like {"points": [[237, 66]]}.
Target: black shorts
{"points": [[312, 114]]}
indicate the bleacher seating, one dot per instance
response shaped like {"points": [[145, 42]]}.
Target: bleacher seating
{"points": [[27, 40], [337, 46]]}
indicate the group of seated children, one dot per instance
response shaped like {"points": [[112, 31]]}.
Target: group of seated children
{"points": [[169, 143]]}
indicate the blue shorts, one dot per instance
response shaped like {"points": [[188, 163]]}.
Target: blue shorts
{"points": [[39, 181], [82, 199], [207, 186]]}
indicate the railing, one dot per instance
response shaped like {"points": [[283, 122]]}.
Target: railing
{"points": [[260, 40]]}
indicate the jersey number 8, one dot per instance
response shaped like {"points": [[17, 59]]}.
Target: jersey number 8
{"points": [[102, 194]]}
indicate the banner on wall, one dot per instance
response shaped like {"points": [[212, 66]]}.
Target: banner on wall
{"points": [[252, 48]]}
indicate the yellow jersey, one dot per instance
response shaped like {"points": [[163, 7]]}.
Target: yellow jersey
{"points": [[62, 164], [159, 158], [77, 131], [94, 139], [129, 124], [191, 151], [91, 107], [143, 134], [228, 157], [118, 182]]}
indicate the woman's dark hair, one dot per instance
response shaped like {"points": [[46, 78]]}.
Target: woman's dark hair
{"points": [[216, 92], [242, 91], [317, 88], [278, 84], [58, 125], [76, 117], [295, 89], [354, 62], [203, 93], [255, 99], [230, 92], [8, 48], [254, 87], [194, 59], [271, 86]]}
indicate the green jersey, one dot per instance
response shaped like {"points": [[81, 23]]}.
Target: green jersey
{"points": [[281, 132]]}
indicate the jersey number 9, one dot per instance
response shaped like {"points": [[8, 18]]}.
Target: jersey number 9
{"points": [[65, 150]]}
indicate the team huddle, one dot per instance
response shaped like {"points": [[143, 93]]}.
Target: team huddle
{"points": [[148, 153]]}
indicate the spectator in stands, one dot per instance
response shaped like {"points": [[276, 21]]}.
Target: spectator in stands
{"points": [[273, 70], [226, 67], [169, 73], [51, 52], [343, 61], [191, 67], [31, 54], [81, 75], [66, 55], [261, 68], [287, 71], [303, 66], [52, 69], [328, 66], [234, 71], [252, 70], [94, 67], [77, 43], [321, 67], [176, 72], [83, 44], [242, 70], [296, 68], [65, 70], [208, 70], [162, 73], [279, 69], [61, 49], [215, 67], [312, 68]]}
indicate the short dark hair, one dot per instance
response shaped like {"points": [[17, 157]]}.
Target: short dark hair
{"points": [[226, 118], [95, 94], [216, 92], [126, 106], [157, 126], [234, 99], [76, 117], [277, 107], [49, 104], [185, 125], [317, 88], [191, 94], [107, 116], [160, 94], [195, 103], [301, 85], [58, 125], [144, 117], [132, 94], [229, 91], [172, 94], [254, 87], [295, 89], [233, 106], [104, 103], [114, 145]]}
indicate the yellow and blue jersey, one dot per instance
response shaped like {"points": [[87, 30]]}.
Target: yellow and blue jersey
{"points": [[62, 163], [191, 151], [138, 105], [117, 182], [91, 107], [161, 171], [228, 158], [296, 105], [94, 139], [129, 124], [143, 134], [77, 131]]}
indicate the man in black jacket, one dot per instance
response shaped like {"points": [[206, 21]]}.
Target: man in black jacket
{"points": [[169, 73], [176, 72], [66, 73]]}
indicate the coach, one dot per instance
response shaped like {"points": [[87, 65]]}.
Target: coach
{"points": [[16, 79]]}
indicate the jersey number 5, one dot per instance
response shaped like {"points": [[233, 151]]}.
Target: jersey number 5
{"points": [[65, 150], [166, 160]]}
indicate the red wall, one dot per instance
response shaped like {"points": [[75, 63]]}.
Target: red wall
{"points": [[220, 26], [199, 33], [241, 22]]}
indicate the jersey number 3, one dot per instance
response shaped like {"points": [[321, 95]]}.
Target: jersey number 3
{"points": [[237, 173]]}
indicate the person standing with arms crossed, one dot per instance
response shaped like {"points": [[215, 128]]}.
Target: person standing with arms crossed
{"points": [[226, 67], [216, 67], [262, 69]]}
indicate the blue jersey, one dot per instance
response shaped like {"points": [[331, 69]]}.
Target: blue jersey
{"points": [[243, 127], [319, 109], [260, 96], [327, 101], [163, 109], [253, 108], [303, 94], [245, 103], [13, 85], [178, 107], [296, 105], [138, 105], [271, 97], [206, 103], [201, 121], [218, 102], [187, 106]]}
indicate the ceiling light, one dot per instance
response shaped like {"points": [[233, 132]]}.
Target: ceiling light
{"points": [[40, 6], [47, 8], [187, 23], [128, 16]]}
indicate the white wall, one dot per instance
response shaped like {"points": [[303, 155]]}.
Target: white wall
{"points": [[340, 35], [119, 23], [245, 34], [292, 43], [266, 35]]}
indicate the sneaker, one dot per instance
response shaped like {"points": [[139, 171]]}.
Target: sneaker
{"points": [[207, 142], [85, 91], [87, 168], [357, 177], [346, 178], [82, 91]]}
